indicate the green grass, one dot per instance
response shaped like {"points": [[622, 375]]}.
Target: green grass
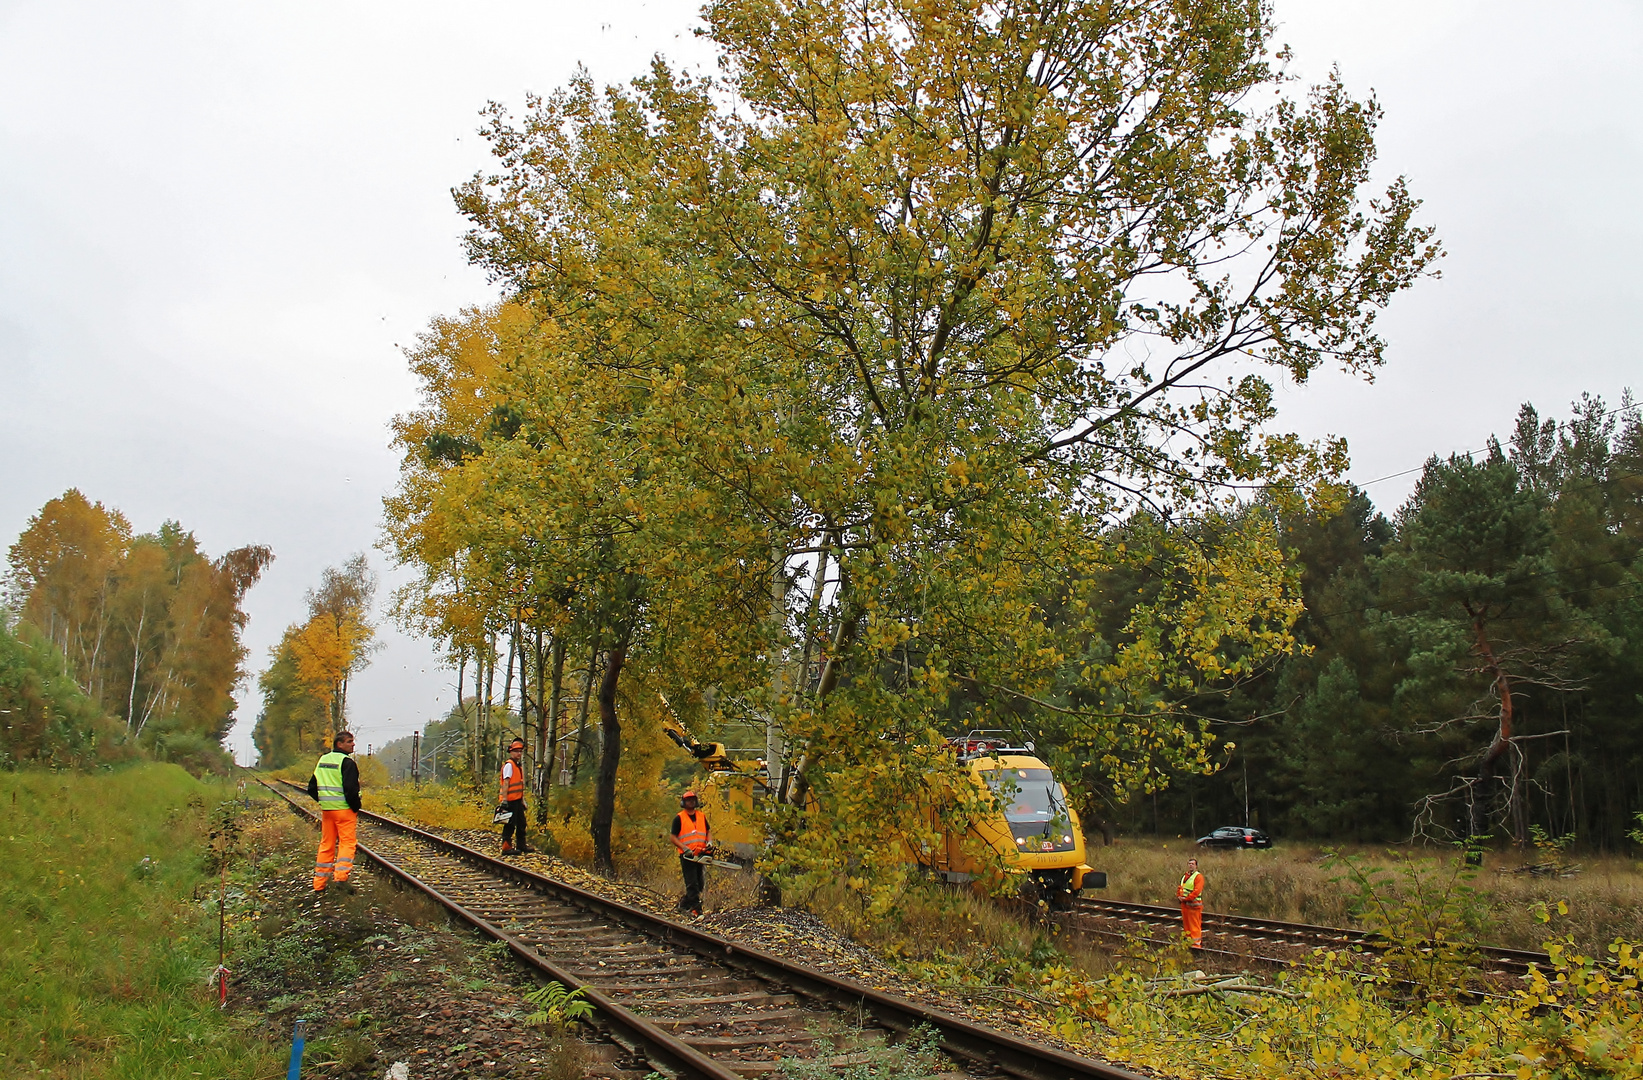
{"points": [[103, 959]]}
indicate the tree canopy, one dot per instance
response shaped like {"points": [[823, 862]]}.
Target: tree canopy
{"points": [[149, 625], [830, 390], [305, 686], [1472, 659]]}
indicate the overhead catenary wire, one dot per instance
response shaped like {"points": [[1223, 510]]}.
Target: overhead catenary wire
{"points": [[1628, 407]]}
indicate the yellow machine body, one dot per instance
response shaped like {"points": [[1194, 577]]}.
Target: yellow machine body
{"points": [[1032, 830]]}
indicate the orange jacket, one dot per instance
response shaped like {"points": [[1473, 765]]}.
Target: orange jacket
{"points": [[1191, 891], [513, 787], [692, 834]]}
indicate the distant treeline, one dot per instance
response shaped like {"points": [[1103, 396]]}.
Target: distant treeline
{"points": [[1474, 663], [117, 644]]}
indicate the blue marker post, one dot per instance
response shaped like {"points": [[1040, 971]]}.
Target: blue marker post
{"points": [[296, 1051]]}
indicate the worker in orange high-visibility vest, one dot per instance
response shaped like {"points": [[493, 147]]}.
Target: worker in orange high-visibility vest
{"points": [[335, 785], [691, 835], [1191, 895], [513, 797]]}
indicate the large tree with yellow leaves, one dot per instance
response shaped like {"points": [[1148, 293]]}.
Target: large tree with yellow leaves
{"points": [[875, 356]]}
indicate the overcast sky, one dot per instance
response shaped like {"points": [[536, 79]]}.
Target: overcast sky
{"points": [[220, 222]]}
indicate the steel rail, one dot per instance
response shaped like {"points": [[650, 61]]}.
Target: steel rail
{"points": [[658, 1046], [959, 1037], [1515, 960]]}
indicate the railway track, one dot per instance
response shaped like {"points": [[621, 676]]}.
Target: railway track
{"points": [[1241, 934], [691, 1004]]}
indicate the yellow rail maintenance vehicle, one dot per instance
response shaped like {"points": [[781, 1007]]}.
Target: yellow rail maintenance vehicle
{"points": [[1033, 827]]}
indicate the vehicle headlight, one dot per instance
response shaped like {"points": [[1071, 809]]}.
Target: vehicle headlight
{"points": [[1020, 840], [1066, 839]]}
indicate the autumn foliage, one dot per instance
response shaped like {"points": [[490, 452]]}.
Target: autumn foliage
{"points": [[832, 394], [305, 687], [148, 626]]}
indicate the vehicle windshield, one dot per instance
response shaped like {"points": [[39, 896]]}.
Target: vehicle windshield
{"points": [[1027, 795]]}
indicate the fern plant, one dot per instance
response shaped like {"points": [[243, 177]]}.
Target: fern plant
{"points": [[558, 1007]]}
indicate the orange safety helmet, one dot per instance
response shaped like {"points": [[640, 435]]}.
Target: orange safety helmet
{"points": [[688, 795], [517, 744]]}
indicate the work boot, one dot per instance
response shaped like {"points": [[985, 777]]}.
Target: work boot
{"points": [[346, 886], [507, 849]]}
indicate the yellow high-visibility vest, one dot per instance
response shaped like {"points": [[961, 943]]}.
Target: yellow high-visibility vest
{"points": [[328, 779], [693, 831]]}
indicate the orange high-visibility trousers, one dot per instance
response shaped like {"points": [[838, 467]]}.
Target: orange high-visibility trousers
{"points": [[336, 847], [1192, 922]]}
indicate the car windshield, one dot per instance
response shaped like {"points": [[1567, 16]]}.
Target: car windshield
{"points": [[1027, 795]]}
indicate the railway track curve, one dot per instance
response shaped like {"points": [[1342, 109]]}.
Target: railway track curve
{"points": [[692, 1004], [1242, 935]]}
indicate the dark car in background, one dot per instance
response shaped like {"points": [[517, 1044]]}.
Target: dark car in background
{"points": [[1235, 836]]}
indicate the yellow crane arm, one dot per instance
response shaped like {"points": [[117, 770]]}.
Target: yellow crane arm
{"points": [[711, 755]]}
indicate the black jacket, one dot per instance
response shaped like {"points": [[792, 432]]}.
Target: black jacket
{"points": [[350, 784]]}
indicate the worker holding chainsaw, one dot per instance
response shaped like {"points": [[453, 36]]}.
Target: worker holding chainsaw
{"points": [[692, 837]]}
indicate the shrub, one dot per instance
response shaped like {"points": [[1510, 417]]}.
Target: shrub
{"points": [[198, 754], [44, 717], [433, 806]]}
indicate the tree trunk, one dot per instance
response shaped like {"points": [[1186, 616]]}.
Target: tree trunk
{"points": [[490, 697], [582, 716], [798, 784], [552, 740], [136, 659], [1479, 807], [530, 648], [610, 756]]}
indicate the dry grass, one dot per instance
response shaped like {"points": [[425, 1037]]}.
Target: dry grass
{"points": [[433, 806], [929, 920], [1294, 882], [269, 834]]}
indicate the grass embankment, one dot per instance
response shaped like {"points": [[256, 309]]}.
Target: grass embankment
{"points": [[105, 955], [1297, 883]]}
